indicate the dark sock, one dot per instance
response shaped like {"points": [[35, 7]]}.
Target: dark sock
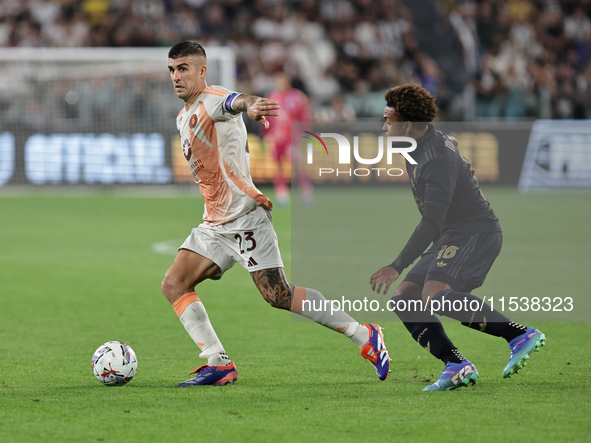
{"points": [[428, 331], [484, 318], [513, 330], [452, 356]]}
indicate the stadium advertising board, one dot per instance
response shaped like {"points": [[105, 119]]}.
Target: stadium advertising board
{"points": [[84, 159], [557, 155], [357, 154]]}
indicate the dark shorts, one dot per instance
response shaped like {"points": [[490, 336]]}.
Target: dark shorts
{"points": [[461, 261]]}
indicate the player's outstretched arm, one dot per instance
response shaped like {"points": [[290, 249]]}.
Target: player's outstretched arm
{"points": [[256, 107]]}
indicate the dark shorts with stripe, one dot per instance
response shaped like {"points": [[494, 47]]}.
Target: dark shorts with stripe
{"points": [[462, 261]]}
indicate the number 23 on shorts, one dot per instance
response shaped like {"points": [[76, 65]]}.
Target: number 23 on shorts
{"points": [[248, 241]]}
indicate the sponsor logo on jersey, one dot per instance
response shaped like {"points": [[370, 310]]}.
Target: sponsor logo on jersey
{"points": [[187, 149]]}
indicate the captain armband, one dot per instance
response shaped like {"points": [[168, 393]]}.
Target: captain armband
{"points": [[228, 104]]}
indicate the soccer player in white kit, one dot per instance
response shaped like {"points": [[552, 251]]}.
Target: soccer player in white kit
{"points": [[237, 223]]}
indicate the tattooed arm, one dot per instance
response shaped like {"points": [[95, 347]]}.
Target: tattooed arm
{"points": [[256, 107], [274, 287]]}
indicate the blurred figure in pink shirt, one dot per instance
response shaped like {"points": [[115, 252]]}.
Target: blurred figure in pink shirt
{"points": [[294, 108]]}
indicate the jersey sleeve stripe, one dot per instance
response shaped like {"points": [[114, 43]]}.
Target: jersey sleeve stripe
{"points": [[218, 89]]}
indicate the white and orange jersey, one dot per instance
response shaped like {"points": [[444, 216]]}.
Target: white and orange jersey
{"points": [[214, 143]]}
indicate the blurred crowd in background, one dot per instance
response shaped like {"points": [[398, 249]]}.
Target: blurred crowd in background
{"points": [[486, 59]]}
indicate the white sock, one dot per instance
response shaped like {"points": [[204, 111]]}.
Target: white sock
{"points": [[194, 318], [218, 359], [361, 336], [318, 309]]}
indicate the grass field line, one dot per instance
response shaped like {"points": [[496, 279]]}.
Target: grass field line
{"points": [[167, 247]]}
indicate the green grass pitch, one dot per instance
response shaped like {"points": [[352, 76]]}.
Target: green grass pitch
{"points": [[78, 270]]}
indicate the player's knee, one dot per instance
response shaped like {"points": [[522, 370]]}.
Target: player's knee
{"points": [[173, 288], [428, 295], [166, 286], [431, 291], [408, 291]]}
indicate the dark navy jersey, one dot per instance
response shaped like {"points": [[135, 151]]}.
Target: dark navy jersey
{"points": [[445, 178]]}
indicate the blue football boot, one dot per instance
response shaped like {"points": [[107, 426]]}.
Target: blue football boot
{"points": [[375, 351], [521, 347], [455, 375], [212, 375]]}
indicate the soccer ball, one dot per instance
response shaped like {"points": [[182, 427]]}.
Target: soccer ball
{"points": [[114, 363]]}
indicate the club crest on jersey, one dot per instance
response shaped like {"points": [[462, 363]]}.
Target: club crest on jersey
{"points": [[187, 149], [193, 121]]}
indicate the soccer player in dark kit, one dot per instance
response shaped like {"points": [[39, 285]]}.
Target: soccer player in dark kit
{"points": [[466, 237]]}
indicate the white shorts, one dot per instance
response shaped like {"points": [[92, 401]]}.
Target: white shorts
{"points": [[249, 240]]}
